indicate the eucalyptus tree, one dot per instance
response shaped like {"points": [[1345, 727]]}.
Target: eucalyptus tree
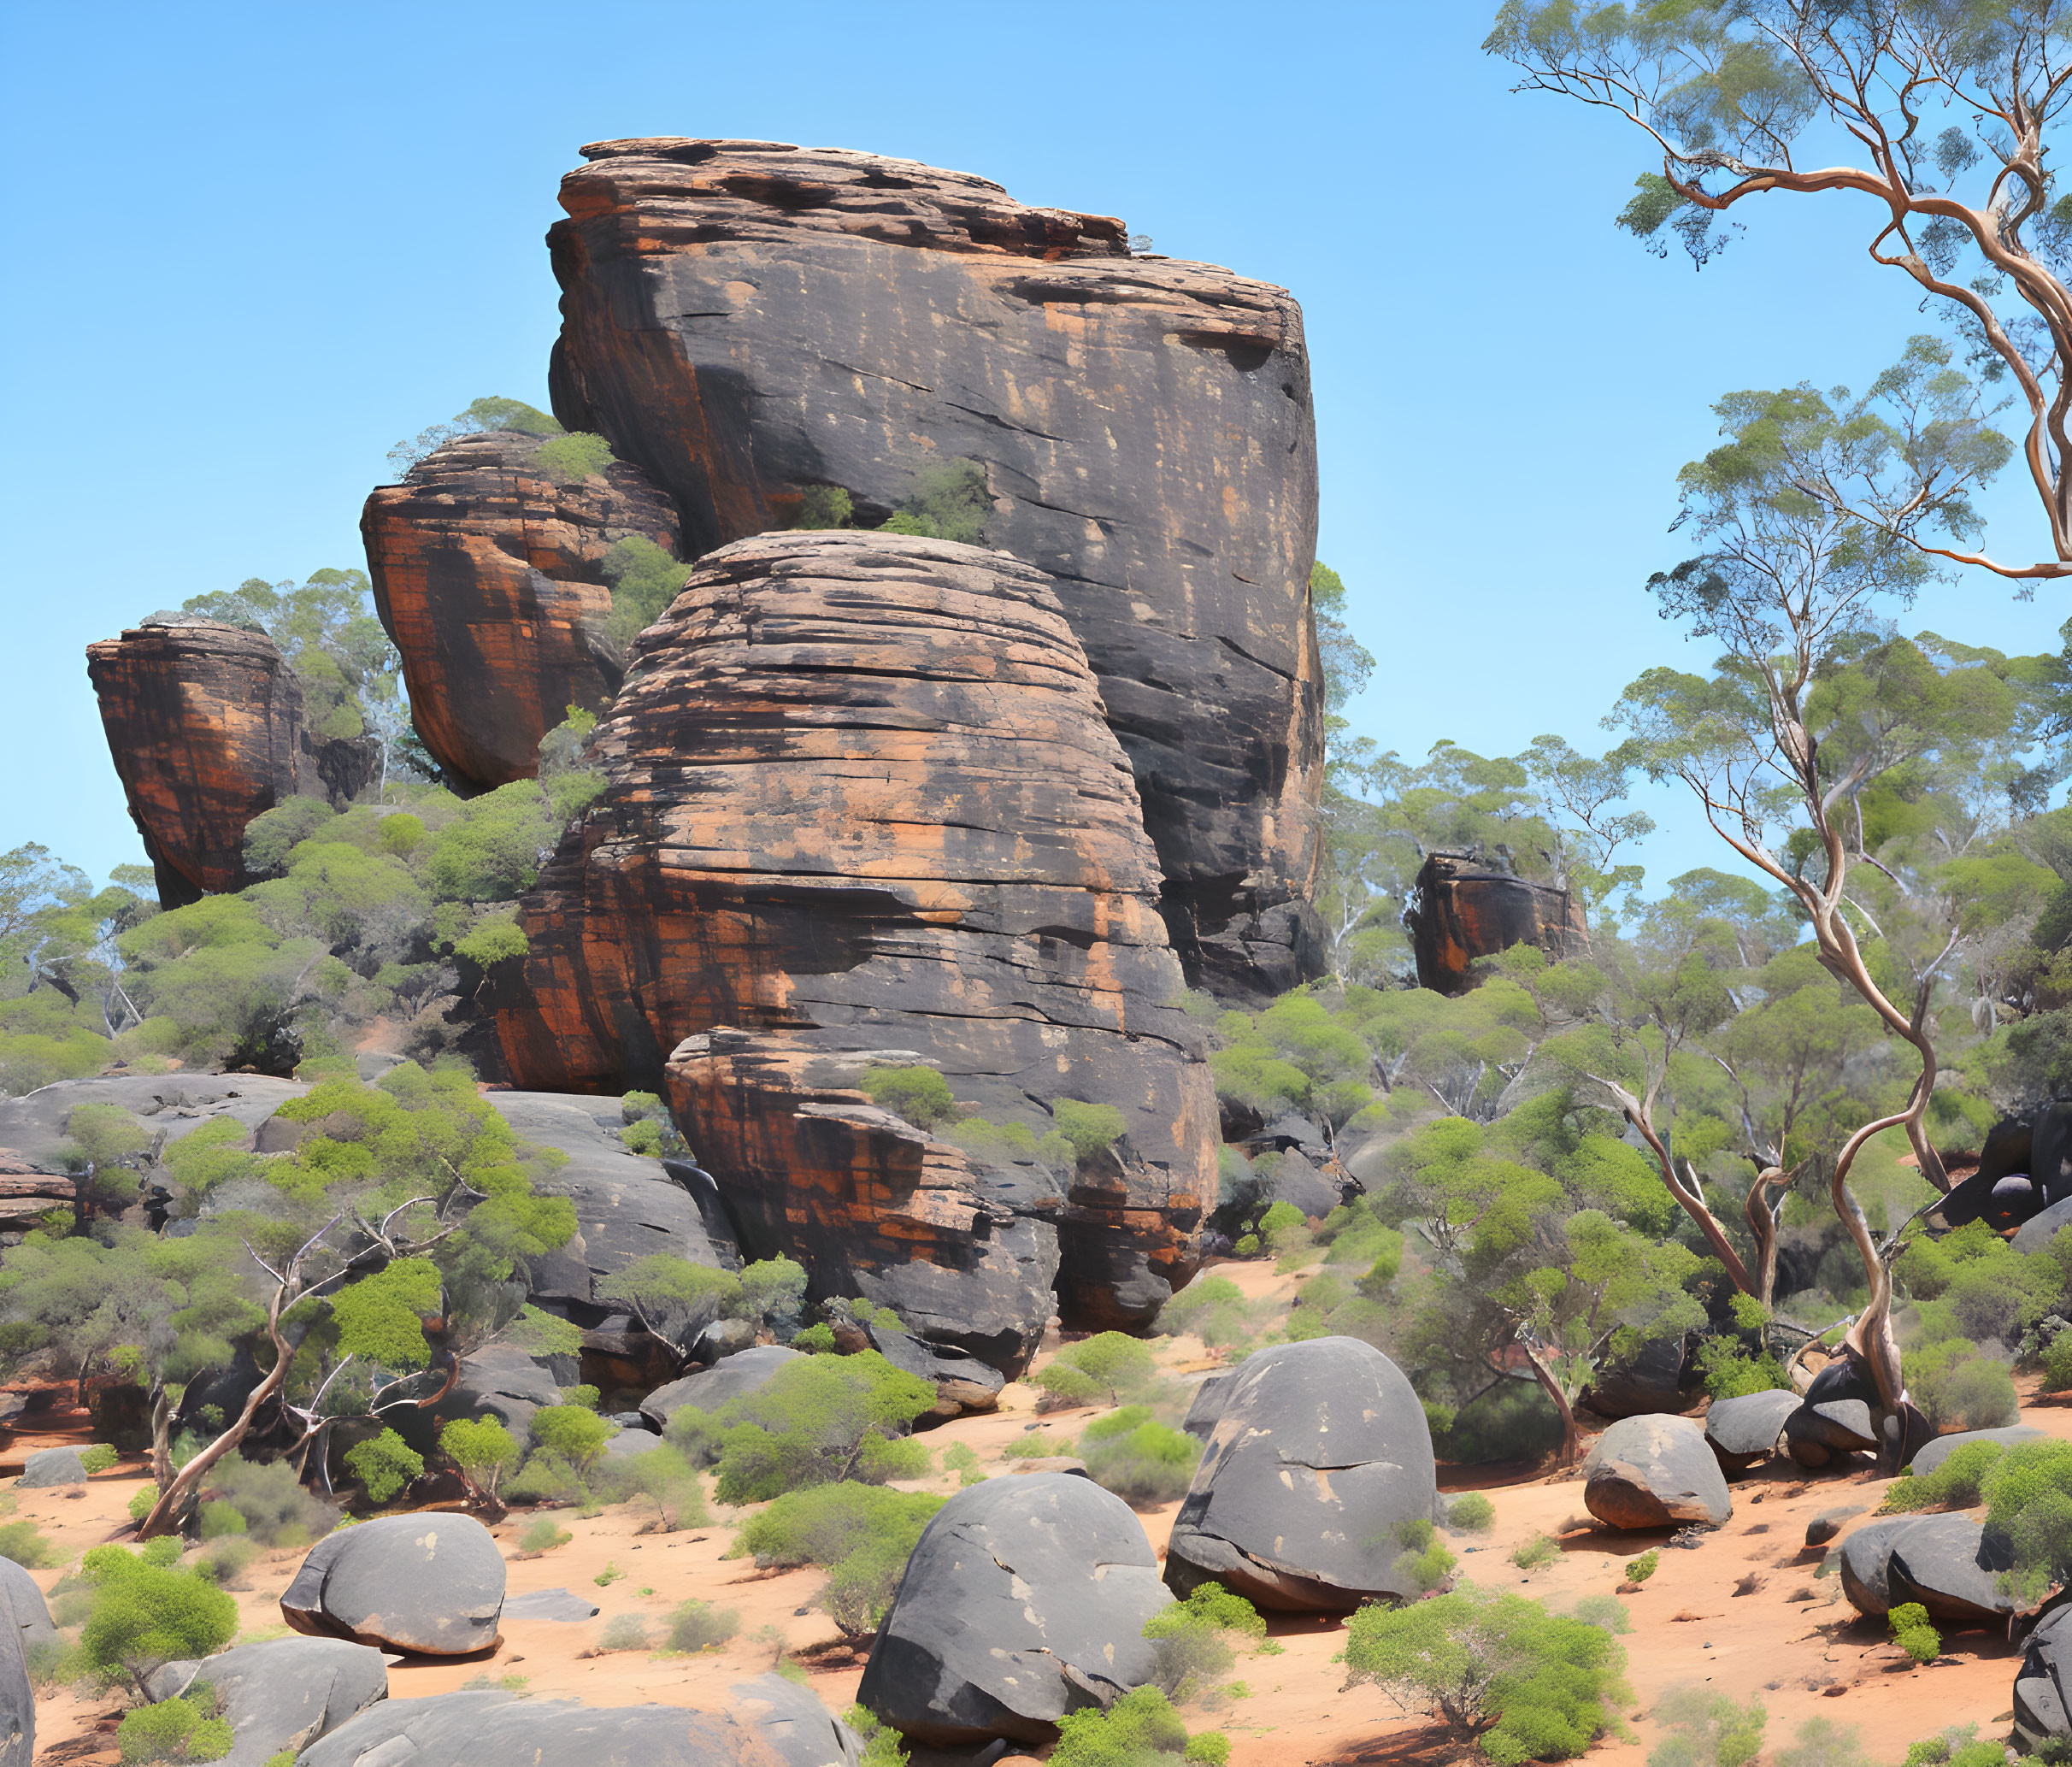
{"points": [[1944, 113]]}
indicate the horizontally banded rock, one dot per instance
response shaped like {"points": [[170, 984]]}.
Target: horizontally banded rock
{"points": [[1655, 1471], [1025, 1599], [204, 723], [764, 1723], [1320, 1452], [1460, 909], [431, 1583], [1743, 1431], [280, 1695], [488, 572], [863, 811], [750, 322]]}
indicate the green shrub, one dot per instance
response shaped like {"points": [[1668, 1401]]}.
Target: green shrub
{"points": [[542, 1333], [1514, 1420], [483, 1449], [2028, 1510], [1117, 1364], [663, 1476], [624, 1632], [772, 1288], [20, 1541], [278, 1510], [143, 1616], [1137, 1730], [920, 1095], [825, 506], [1639, 1570], [1213, 1308], [697, 1625], [383, 1466], [1036, 1445], [949, 502], [1501, 1671], [1702, 1729], [2056, 1368], [1066, 1387], [1471, 1513], [1956, 1386], [572, 1433], [573, 456], [225, 1560], [185, 1729], [542, 1536], [1731, 1372], [960, 1458], [1821, 1743], [1913, 1633], [1190, 1646], [1091, 1130], [1960, 1746], [1138, 1459], [217, 1520], [99, 1459], [141, 1504], [1954, 1484], [1422, 1563], [819, 1421], [1543, 1549], [815, 1341], [645, 579], [1605, 1610], [863, 1534], [882, 1747]]}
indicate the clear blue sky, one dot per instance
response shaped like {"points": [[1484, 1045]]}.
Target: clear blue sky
{"points": [[252, 246]]}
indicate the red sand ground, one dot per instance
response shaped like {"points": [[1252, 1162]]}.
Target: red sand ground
{"points": [[1790, 1637]]}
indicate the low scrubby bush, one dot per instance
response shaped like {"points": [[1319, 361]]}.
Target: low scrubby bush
{"points": [[698, 1625], [1639, 1570], [383, 1466], [1137, 1730], [862, 1535], [20, 1541], [278, 1510], [1112, 1365], [815, 1421], [144, 1615], [1471, 1513], [542, 1536], [1213, 1308], [185, 1729], [1422, 1563], [624, 1632], [2028, 1511], [920, 1095], [1139, 1459], [1036, 1445], [1954, 1485], [665, 1476], [1191, 1643], [1913, 1634], [1703, 1728], [1542, 1549]]}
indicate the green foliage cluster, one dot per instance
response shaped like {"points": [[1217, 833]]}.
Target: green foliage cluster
{"points": [[662, 1475], [921, 1095], [275, 1508], [1913, 1634], [1639, 1570], [1503, 1673], [1213, 1308], [1954, 1484], [1960, 1746], [383, 1464], [1471, 1513], [1701, 1728], [949, 502], [645, 579], [697, 1626], [182, 1729], [483, 1450], [2028, 1493], [1141, 1728], [1423, 1563], [1139, 1459], [1190, 1639], [862, 1535], [143, 1616], [820, 1420], [1111, 1364]]}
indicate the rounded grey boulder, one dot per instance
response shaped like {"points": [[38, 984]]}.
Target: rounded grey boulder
{"points": [[282, 1695], [431, 1583], [1025, 1599], [1744, 1431], [709, 1389], [768, 1723], [1319, 1452], [17, 1697], [1866, 1557], [52, 1466], [2042, 1682], [31, 1611], [1946, 1563], [1655, 1471], [1926, 1459]]}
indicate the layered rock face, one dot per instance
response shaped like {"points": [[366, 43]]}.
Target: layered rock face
{"points": [[204, 722], [747, 321], [1460, 910], [863, 811], [488, 572]]}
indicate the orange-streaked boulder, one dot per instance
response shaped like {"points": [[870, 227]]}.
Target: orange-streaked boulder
{"points": [[1460, 910], [204, 723], [863, 803], [748, 320], [488, 572]]}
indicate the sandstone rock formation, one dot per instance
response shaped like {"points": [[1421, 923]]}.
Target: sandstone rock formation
{"points": [[1460, 910], [863, 811], [750, 322], [1025, 1599], [1319, 1451], [1655, 1471], [204, 722], [488, 572]]}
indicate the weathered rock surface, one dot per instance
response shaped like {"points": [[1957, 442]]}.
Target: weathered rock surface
{"points": [[1866, 1559], [1025, 1599], [556, 1604], [1655, 1471], [1460, 909], [768, 1723], [1650, 1380], [431, 1583], [1207, 1403], [708, 1389], [172, 1104], [31, 1611], [204, 723], [1932, 1456], [962, 1382], [52, 1466], [488, 571], [627, 1207], [2043, 1684], [283, 1694], [501, 1381], [1814, 1435], [1829, 1523], [1319, 1451], [1744, 1431], [863, 810], [17, 1696], [1946, 1563], [747, 321]]}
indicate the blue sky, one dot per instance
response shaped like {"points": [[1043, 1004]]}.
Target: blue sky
{"points": [[254, 246]]}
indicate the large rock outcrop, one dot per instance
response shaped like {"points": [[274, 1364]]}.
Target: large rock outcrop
{"points": [[1460, 910], [749, 322], [1655, 1471], [488, 571], [1319, 1453], [863, 811], [429, 1583], [204, 723]]}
